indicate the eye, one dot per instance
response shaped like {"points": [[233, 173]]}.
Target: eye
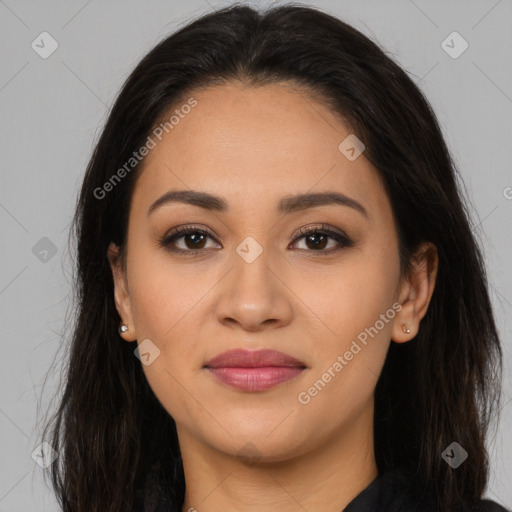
{"points": [[194, 239], [317, 239]]}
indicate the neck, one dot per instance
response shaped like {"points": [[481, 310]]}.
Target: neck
{"points": [[326, 479]]}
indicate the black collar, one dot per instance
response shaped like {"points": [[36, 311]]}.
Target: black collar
{"points": [[395, 491]]}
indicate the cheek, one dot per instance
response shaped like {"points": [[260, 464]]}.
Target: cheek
{"points": [[351, 296], [163, 292], [348, 358], [355, 304], [165, 301]]}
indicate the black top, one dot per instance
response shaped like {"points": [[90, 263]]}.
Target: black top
{"points": [[391, 491]]}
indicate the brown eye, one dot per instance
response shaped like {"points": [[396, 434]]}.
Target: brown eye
{"points": [[191, 239], [197, 240], [317, 240]]}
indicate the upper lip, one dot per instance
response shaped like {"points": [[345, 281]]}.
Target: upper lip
{"points": [[240, 358]]}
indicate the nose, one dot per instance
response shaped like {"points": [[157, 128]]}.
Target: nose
{"points": [[254, 297]]}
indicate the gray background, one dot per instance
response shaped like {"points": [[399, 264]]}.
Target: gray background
{"points": [[51, 113]]}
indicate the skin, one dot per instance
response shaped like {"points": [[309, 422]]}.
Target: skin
{"points": [[253, 146]]}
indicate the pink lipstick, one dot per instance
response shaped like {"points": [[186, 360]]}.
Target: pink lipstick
{"points": [[255, 370]]}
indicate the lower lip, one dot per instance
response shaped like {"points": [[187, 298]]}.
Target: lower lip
{"points": [[255, 379]]}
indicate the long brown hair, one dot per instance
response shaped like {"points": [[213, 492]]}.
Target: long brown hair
{"points": [[443, 386]]}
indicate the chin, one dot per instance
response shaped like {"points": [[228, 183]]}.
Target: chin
{"points": [[266, 442]]}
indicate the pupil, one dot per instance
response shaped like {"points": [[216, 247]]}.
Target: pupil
{"points": [[196, 238], [320, 244]]}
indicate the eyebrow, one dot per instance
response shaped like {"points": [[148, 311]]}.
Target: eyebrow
{"points": [[287, 204]]}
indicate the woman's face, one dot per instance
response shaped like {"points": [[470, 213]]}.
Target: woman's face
{"points": [[254, 281]]}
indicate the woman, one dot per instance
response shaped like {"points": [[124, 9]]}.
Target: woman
{"points": [[272, 215]]}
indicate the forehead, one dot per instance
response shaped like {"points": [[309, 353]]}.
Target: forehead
{"points": [[254, 145]]}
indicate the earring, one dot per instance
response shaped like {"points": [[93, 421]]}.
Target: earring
{"points": [[404, 328], [122, 328]]}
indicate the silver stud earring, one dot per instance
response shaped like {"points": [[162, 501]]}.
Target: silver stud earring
{"points": [[122, 328], [405, 329]]}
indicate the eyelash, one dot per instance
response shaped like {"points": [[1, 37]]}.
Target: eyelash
{"points": [[180, 232]]}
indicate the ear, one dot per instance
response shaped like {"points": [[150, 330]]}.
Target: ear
{"points": [[415, 293], [121, 292]]}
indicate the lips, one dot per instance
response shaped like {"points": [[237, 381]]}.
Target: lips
{"points": [[254, 370], [253, 359]]}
